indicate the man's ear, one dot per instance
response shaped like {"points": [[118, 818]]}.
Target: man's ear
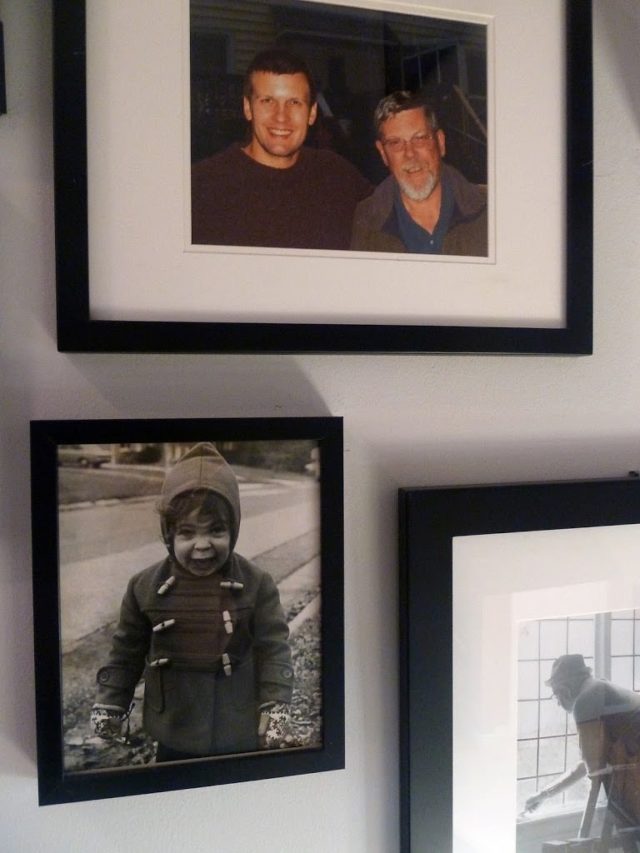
{"points": [[441, 140], [382, 152], [313, 114], [246, 108]]}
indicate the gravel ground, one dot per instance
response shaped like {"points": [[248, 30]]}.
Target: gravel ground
{"points": [[84, 751]]}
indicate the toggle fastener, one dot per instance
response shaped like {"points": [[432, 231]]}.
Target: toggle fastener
{"points": [[226, 664], [228, 624], [231, 585], [162, 626], [166, 585], [159, 662]]}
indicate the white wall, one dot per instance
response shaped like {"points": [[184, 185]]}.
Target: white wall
{"points": [[408, 420]]}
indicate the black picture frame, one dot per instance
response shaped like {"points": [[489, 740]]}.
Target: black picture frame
{"points": [[77, 331], [60, 778], [432, 521], [3, 84]]}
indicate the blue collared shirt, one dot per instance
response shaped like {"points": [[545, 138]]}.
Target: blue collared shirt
{"points": [[416, 238]]}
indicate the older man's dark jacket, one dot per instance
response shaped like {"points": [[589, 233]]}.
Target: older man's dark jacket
{"points": [[375, 226]]}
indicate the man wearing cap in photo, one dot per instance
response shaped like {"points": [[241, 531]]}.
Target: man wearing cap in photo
{"points": [[607, 720]]}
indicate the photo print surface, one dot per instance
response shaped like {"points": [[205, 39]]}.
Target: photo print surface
{"points": [[217, 603], [287, 145], [578, 770], [527, 604]]}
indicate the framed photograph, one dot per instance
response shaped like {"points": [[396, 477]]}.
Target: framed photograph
{"points": [[3, 85], [520, 667], [336, 176], [188, 602]]}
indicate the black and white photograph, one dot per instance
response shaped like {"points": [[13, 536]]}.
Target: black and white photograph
{"points": [[520, 730], [191, 597], [3, 85], [579, 731]]}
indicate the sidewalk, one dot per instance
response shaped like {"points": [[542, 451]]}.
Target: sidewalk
{"points": [[91, 590]]}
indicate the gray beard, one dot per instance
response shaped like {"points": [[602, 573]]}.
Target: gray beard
{"points": [[419, 193]]}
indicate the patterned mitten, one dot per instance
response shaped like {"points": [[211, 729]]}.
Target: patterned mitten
{"points": [[107, 722], [274, 729]]}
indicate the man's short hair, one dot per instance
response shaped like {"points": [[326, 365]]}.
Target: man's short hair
{"points": [[398, 102], [277, 60]]}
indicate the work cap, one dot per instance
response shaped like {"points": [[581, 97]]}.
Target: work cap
{"points": [[567, 667]]}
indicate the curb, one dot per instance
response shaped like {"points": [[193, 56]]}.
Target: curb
{"points": [[312, 609]]}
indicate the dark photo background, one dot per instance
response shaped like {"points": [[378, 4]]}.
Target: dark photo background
{"points": [[356, 57]]}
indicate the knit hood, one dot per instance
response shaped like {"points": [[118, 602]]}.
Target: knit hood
{"points": [[203, 467]]}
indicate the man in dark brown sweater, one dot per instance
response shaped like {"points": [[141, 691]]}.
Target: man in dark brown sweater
{"points": [[274, 192]]}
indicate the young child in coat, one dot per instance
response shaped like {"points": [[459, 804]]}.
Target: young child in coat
{"points": [[204, 628]]}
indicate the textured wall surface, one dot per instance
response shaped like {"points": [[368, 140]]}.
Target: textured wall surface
{"points": [[408, 421]]}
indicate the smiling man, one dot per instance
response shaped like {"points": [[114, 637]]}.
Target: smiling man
{"points": [[425, 205], [274, 191]]}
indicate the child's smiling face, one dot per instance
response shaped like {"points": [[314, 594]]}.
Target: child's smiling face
{"points": [[202, 543]]}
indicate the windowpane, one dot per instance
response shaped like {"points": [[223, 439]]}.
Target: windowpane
{"points": [[545, 672], [621, 637], [622, 672], [548, 779], [553, 638], [527, 719], [552, 755], [579, 792], [527, 758], [528, 641], [528, 679], [581, 637], [553, 718]]}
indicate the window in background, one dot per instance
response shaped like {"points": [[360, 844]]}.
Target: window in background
{"points": [[547, 739]]}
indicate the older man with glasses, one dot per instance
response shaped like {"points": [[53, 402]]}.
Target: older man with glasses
{"points": [[424, 206]]}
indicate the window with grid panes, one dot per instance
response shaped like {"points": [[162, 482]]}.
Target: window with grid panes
{"points": [[547, 739]]}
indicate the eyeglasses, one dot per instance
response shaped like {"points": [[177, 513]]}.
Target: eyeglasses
{"points": [[419, 140]]}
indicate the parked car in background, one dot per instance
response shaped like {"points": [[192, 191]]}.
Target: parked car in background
{"points": [[86, 455]]}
